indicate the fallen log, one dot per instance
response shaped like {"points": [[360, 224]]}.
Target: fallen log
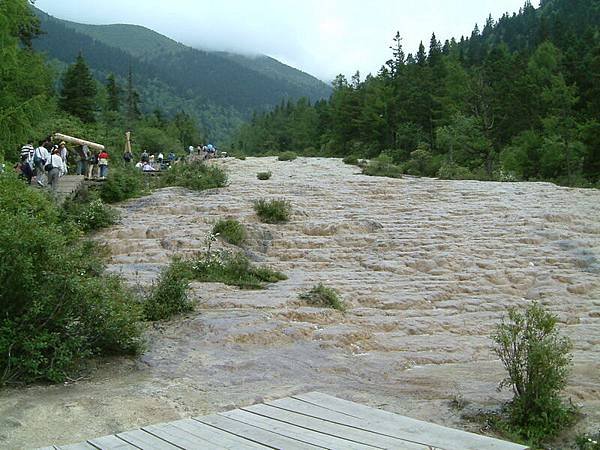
{"points": [[77, 141]]}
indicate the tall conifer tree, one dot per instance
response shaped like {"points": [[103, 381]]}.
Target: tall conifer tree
{"points": [[78, 94]]}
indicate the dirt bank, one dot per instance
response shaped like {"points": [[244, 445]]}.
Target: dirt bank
{"points": [[427, 267]]}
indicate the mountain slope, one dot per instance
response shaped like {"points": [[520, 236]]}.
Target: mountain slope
{"points": [[221, 89]]}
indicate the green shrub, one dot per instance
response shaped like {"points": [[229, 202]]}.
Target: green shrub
{"points": [[123, 183], [588, 442], [168, 295], [287, 156], [90, 216], [450, 171], [538, 361], [273, 211], [264, 175], [230, 231], [57, 307], [233, 269], [383, 166], [323, 297], [196, 176], [351, 160]]}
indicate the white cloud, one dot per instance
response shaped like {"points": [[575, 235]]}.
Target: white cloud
{"points": [[322, 37]]}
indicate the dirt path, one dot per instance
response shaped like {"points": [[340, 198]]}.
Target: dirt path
{"points": [[428, 268]]}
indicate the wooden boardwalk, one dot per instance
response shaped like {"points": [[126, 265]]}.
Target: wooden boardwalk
{"points": [[307, 421]]}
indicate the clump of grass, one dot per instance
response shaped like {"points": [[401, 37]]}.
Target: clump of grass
{"points": [[195, 175], [287, 156], [588, 441], [351, 160], [231, 231], [273, 211], [383, 166], [89, 214], [264, 175], [168, 295], [323, 297], [123, 183], [234, 270]]}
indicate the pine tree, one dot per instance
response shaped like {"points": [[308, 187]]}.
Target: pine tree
{"points": [[113, 92], [133, 100], [78, 94]]}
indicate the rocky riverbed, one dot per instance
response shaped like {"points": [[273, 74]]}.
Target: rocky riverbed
{"points": [[427, 268]]}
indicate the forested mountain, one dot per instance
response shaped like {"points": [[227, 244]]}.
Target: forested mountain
{"points": [[517, 99], [221, 89]]}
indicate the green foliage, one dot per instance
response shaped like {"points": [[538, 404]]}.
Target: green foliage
{"points": [[196, 176], [450, 171], [383, 166], [537, 360], [123, 183], [57, 307], [90, 215], [155, 140], [519, 96], [264, 175], [168, 295], [78, 94], [287, 156], [273, 211], [231, 231], [588, 442], [351, 160], [233, 269], [323, 297], [26, 84]]}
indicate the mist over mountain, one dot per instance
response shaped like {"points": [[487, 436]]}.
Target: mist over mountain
{"points": [[221, 89]]}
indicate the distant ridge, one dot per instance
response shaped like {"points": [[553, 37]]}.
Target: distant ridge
{"points": [[220, 88]]}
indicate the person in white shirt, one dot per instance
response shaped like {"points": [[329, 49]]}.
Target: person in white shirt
{"points": [[64, 155], [40, 156], [57, 169]]}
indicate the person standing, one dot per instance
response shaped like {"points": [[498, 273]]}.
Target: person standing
{"points": [[93, 165], [55, 167], [103, 164], [40, 156], [83, 156], [64, 155], [27, 152]]}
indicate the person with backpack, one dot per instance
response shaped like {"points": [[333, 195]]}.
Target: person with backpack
{"points": [[27, 151], [54, 167], [23, 168], [40, 156]]}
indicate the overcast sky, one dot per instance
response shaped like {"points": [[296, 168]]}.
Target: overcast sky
{"points": [[321, 37]]}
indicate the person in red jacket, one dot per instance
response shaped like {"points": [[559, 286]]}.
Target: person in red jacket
{"points": [[103, 164]]}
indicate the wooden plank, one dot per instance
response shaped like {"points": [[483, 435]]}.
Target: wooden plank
{"points": [[223, 438], [141, 439], [255, 434], [293, 431], [339, 430], [391, 424], [179, 437], [111, 443]]}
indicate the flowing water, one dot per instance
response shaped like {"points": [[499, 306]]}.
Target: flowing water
{"points": [[426, 267]]}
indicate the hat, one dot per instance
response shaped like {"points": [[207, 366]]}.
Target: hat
{"points": [[63, 143]]}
